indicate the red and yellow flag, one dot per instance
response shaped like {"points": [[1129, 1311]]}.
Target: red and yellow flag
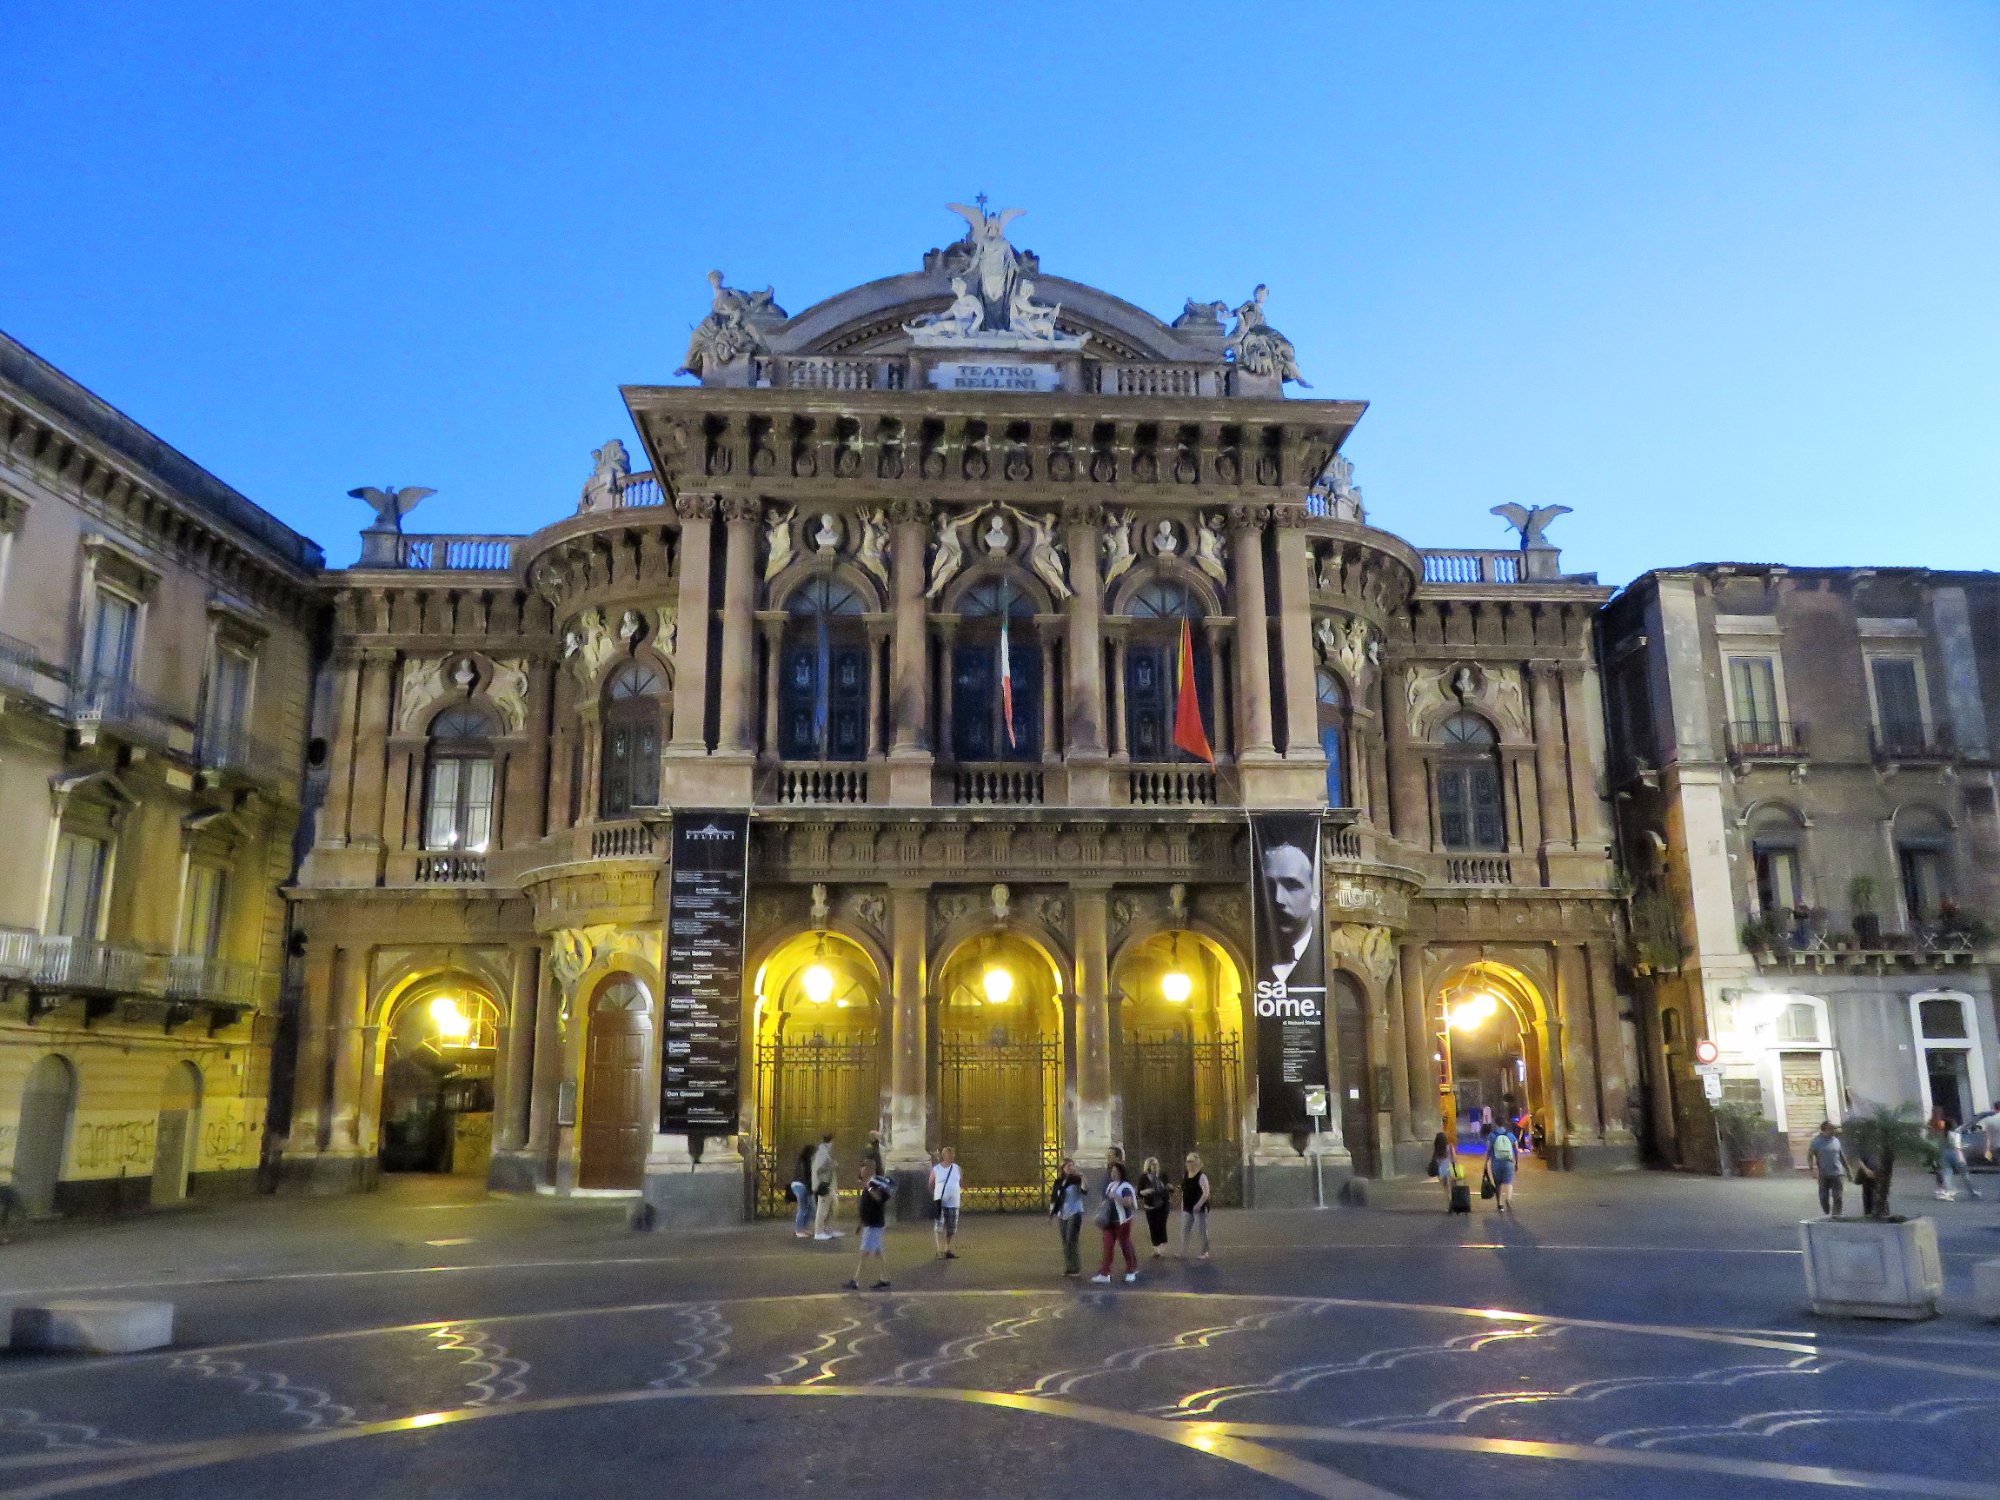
{"points": [[1189, 734]]}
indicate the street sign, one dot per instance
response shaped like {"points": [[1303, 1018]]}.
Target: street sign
{"points": [[1705, 1051], [1708, 1069], [1711, 1085], [1315, 1100]]}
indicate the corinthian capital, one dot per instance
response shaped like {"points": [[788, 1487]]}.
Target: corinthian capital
{"points": [[911, 512], [1083, 513], [1249, 517], [740, 508], [695, 507]]}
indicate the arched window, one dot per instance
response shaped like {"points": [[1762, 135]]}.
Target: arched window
{"points": [[1468, 785], [458, 781], [823, 674], [1777, 863], [1333, 737], [1923, 846], [996, 675], [631, 740], [1152, 670]]}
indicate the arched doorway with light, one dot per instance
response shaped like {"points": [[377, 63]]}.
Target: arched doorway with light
{"points": [[437, 1067], [1492, 1021], [620, 1100], [176, 1133], [817, 1018], [1179, 1059], [996, 1016]]}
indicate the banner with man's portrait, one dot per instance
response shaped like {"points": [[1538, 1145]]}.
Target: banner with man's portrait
{"points": [[1288, 997]]}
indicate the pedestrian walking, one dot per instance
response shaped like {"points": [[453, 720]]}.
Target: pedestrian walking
{"points": [[1066, 1208], [826, 1191], [946, 1181], [1485, 1121], [871, 1155], [1194, 1204], [874, 1190], [802, 1193], [1500, 1163], [1828, 1156], [1443, 1165], [1157, 1198], [1952, 1158], [1114, 1217]]}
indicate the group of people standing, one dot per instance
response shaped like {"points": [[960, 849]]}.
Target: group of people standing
{"points": [[1496, 1179], [1121, 1201]]}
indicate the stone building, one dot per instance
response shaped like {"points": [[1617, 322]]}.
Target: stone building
{"points": [[1804, 767], [930, 585], [155, 669]]}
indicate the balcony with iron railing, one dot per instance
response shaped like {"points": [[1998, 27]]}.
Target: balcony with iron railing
{"points": [[1911, 743], [114, 705], [233, 749], [81, 964], [215, 981], [1767, 739], [20, 666]]}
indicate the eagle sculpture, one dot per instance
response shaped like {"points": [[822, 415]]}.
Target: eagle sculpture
{"points": [[391, 504], [1530, 523]]}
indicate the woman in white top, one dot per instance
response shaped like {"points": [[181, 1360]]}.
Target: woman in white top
{"points": [[946, 1182], [1114, 1217]]}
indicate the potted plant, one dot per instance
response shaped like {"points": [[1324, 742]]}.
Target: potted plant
{"points": [[1741, 1128], [1881, 1265], [1867, 925], [1963, 927], [1762, 936]]}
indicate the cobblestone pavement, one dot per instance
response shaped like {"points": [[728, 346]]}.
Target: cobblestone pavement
{"points": [[1378, 1352]]}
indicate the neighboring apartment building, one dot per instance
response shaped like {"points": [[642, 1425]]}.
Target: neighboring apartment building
{"points": [[155, 669], [929, 585], [1804, 764]]}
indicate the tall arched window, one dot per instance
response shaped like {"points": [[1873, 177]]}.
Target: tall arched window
{"points": [[458, 781], [995, 670], [1468, 785], [1152, 662], [823, 674], [631, 740], [1333, 737], [1923, 863]]}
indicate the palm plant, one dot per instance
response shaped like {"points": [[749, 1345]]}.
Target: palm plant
{"points": [[1877, 1140]]}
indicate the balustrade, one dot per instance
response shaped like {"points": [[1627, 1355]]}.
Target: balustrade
{"points": [[1344, 843], [196, 976], [636, 490], [79, 963], [1169, 380], [450, 869], [633, 840], [437, 553], [1479, 869], [998, 785], [1171, 786], [1481, 566], [819, 785]]}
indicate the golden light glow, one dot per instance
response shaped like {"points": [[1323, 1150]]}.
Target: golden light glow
{"points": [[1176, 986], [1473, 1012], [998, 984], [818, 982], [452, 1024]]}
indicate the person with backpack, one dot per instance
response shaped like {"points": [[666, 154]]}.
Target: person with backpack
{"points": [[1114, 1217], [872, 1208], [946, 1182], [802, 1193], [1066, 1208], [1500, 1163]]}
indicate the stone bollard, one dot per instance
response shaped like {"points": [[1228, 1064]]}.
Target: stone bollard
{"points": [[1986, 1289], [88, 1327]]}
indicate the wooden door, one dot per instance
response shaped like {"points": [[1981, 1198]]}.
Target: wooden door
{"points": [[616, 1127]]}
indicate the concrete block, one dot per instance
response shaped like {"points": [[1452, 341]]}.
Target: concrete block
{"points": [[1986, 1289], [91, 1327], [1872, 1268]]}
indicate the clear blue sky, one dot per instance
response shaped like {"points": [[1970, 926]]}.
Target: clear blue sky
{"points": [[1723, 277]]}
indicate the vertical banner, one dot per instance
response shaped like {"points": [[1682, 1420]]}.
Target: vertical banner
{"points": [[1290, 995], [704, 952]]}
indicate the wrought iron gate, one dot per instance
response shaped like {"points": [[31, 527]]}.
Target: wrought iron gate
{"points": [[999, 1105], [1181, 1095], [805, 1089]]}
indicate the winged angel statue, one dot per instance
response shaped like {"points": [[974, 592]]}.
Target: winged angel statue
{"points": [[994, 263], [391, 504]]}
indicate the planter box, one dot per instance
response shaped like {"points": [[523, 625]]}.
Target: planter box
{"points": [[1986, 1289], [1868, 1268]]}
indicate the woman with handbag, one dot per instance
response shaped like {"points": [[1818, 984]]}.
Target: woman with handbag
{"points": [[1066, 1199], [1157, 1199], [946, 1180], [1441, 1165], [1114, 1217]]}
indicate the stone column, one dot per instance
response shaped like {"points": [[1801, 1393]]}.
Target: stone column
{"points": [[1420, 1038], [1551, 757], [1613, 1086], [1581, 702], [403, 799], [1119, 750], [546, 1075], [691, 625], [371, 735], [774, 636], [515, 1081], [347, 1012], [736, 735], [343, 749], [1224, 728], [909, 658], [310, 1070], [524, 816], [562, 756], [1295, 637], [1253, 635], [909, 1051], [1087, 752], [1092, 998], [878, 634], [1396, 1053], [1579, 1060], [1409, 801], [1052, 752]]}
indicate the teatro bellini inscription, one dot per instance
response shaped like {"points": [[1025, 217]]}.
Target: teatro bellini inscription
{"points": [[964, 375]]}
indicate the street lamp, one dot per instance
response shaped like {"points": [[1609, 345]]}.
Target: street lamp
{"points": [[818, 982], [1473, 1012], [1176, 986], [452, 1023], [998, 985]]}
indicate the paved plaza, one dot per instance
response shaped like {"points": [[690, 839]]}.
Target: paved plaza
{"points": [[1636, 1335]]}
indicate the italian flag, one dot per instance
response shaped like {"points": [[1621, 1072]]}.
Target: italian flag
{"points": [[1189, 734], [1006, 673]]}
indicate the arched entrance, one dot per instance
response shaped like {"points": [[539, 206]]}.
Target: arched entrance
{"points": [[1493, 1017], [818, 1021], [997, 1018], [178, 1130], [615, 1126], [1180, 1057], [1354, 1090], [48, 1104], [437, 1077]]}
